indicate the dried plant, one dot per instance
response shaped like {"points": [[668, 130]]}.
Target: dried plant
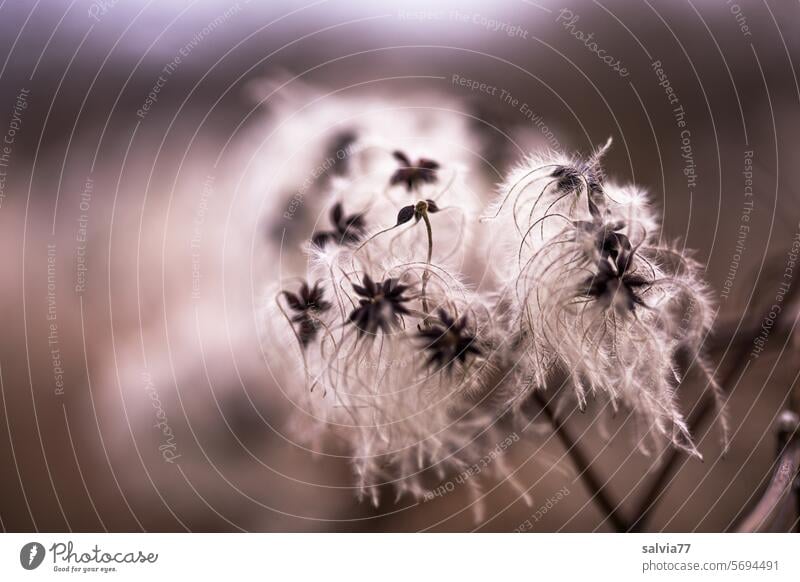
{"points": [[308, 304], [345, 229], [414, 175], [594, 296], [366, 380], [398, 358]]}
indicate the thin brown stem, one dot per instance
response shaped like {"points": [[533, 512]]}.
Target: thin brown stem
{"points": [[776, 510], [427, 274], [584, 467], [664, 474]]}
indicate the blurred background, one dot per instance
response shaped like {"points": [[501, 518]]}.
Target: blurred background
{"points": [[135, 184]]}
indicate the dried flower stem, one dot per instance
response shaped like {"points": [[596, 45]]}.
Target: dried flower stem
{"points": [[777, 508], [427, 274], [582, 464], [663, 478]]}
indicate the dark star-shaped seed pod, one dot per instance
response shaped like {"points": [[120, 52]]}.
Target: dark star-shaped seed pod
{"points": [[413, 176], [346, 229], [380, 305], [307, 305], [608, 241], [447, 342], [586, 174], [569, 178], [615, 284], [574, 179], [416, 211]]}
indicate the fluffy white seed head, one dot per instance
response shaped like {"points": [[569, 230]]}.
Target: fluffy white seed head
{"points": [[399, 414], [389, 356], [594, 296]]}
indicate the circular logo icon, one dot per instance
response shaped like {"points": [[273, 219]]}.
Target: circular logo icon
{"points": [[31, 555]]}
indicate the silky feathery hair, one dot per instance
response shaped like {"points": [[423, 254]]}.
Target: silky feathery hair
{"points": [[404, 393], [404, 416], [388, 347], [595, 296]]}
